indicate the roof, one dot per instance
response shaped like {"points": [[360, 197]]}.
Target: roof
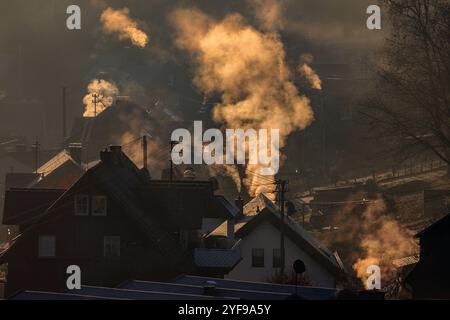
{"points": [[443, 222], [405, 261], [225, 209], [261, 209], [56, 162], [149, 292], [312, 293], [40, 295], [187, 288], [20, 180], [22, 206]]}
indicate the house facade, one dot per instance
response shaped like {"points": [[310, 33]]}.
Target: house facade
{"points": [[259, 229]]}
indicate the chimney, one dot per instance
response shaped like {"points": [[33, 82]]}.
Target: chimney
{"points": [[116, 154], [75, 150], [239, 202], [105, 156]]}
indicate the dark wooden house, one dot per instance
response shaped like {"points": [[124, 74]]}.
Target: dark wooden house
{"points": [[116, 224]]}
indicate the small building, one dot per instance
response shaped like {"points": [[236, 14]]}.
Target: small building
{"points": [[259, 228]]}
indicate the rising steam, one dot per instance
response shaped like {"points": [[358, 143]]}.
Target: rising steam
{"points": [[119, 22], [247, 68], [308, 73], [105, 92], [311, 76], [383, 240]]}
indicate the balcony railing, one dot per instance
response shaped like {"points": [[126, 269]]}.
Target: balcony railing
{"points": [[218, 258]]}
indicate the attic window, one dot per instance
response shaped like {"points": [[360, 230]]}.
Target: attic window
{"points": [[81, 205], [99, 206]]}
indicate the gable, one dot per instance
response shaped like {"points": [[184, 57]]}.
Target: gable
{"points": [[302, 239]]}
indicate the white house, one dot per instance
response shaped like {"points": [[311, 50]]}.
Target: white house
{"points": [[259, 231]]}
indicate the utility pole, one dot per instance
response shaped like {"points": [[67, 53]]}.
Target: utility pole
{"points": [[36, 155], [64, 110], [144, 152], [281, 192]]}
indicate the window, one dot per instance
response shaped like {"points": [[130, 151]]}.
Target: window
{"points": [[99, 206], [46, 246], [258, 258], [111, 247], [81, 205], [276, 258]]}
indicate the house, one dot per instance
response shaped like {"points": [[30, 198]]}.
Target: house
{"points": [[430, 278], [115, 223], [259, 228]]}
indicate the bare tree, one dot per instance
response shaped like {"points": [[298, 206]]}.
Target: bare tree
{"points": [[411, 105]]}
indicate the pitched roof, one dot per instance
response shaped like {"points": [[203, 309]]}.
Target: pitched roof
{"points": [[445, 221], [224, 208], [188, 288], [20, 180], [405, 261], [56, 162], [22, 206], [261, 209]]}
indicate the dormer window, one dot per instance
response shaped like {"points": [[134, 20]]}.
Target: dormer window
{"points": [[81, 205], [99, 206]]}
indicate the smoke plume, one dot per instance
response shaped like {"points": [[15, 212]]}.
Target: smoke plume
{"points": [[119, 22], [383, 240], [105, 93], [311, 76], [247, 68]]}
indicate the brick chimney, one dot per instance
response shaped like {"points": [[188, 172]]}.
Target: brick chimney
{"points": [[116, 154]]}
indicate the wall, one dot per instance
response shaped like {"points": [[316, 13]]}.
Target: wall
{"points": [[268, 237], [79, 241]]}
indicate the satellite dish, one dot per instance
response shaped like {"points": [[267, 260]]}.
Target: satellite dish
{"points": [[299, 266]]}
